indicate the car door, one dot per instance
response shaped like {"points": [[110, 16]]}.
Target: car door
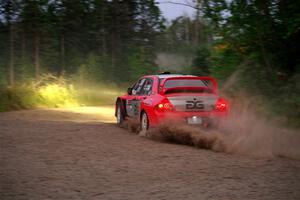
{"points": [[146, 93], [133, 100]]}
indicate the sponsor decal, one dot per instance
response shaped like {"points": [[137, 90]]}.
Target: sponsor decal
{"points": [[194, 104]]}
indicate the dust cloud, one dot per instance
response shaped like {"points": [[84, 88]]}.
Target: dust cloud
{"points": [[243, 132], [132, 125]]}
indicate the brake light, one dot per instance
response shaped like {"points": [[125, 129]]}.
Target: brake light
{"points": [[221, 105], [164, 106]]}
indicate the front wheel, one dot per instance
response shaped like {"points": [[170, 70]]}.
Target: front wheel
{"points": [[120, 114], [144, 122]]}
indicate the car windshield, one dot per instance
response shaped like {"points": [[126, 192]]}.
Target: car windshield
{"points": [[185, 83]]}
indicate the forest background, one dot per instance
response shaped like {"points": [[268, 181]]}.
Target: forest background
{"points": [[63, 53]]}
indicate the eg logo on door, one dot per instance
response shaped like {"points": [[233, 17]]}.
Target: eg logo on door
{"points": [[194, 105]]}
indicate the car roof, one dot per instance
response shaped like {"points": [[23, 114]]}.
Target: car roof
{"points": [[163, 76]]}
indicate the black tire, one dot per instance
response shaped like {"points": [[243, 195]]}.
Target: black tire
{"points": [[144, 123], [120, 114]]}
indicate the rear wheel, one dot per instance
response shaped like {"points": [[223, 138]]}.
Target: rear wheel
{"points": [[144, 122], [120, 114]]}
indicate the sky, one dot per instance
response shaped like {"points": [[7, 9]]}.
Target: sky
{"points": [[171, 11]]}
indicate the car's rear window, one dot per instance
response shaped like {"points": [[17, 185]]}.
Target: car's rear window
{"points": [[185, 83]]}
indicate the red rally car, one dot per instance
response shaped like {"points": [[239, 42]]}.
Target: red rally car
{"points": [[158, 98]]}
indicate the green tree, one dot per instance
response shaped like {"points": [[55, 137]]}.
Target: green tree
{"points": [[200, 64], [60, 36]]}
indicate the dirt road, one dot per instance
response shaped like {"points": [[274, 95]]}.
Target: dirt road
{"points": [[81, 154]]}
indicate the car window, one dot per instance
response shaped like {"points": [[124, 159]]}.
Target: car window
{"points": [[136, 90], [147, 88], [185, 83], [159, 81]]}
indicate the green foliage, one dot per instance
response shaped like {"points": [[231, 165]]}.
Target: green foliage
{"points": [[2, 77], [223, 62], [139, 64], [64, 37], [264, 28], [136, 61], [55, 95], [92, 41], [200, 64], [91, 70], [17, 98], [50, 91], [280, 95], [53, 92], [287, 103], [24, 72], [257, 49]]}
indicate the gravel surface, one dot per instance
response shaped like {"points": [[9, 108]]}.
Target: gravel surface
{"points": [[59, 154]]}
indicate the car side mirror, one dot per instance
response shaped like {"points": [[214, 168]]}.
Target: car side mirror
{"points": [[129, 91]]}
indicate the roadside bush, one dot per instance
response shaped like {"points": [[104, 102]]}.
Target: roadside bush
{"points": [[55, 95], [18, 97], [50, 91]]}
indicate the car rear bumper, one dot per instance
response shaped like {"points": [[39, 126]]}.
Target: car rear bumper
{"points": [[206, 117]]}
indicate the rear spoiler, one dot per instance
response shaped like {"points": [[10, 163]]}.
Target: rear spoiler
{"points": [[203, 78]]}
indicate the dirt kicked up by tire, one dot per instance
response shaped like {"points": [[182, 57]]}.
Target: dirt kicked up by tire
{"points": [[82, 154]]}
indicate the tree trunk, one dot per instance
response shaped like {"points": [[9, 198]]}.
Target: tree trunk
{"points": [[113, 53], [102, 32], [187, 32], [103, 46], [62, 54], [37, 56], [114, 36], [23, 46], [11, 53], [197, 22]]}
